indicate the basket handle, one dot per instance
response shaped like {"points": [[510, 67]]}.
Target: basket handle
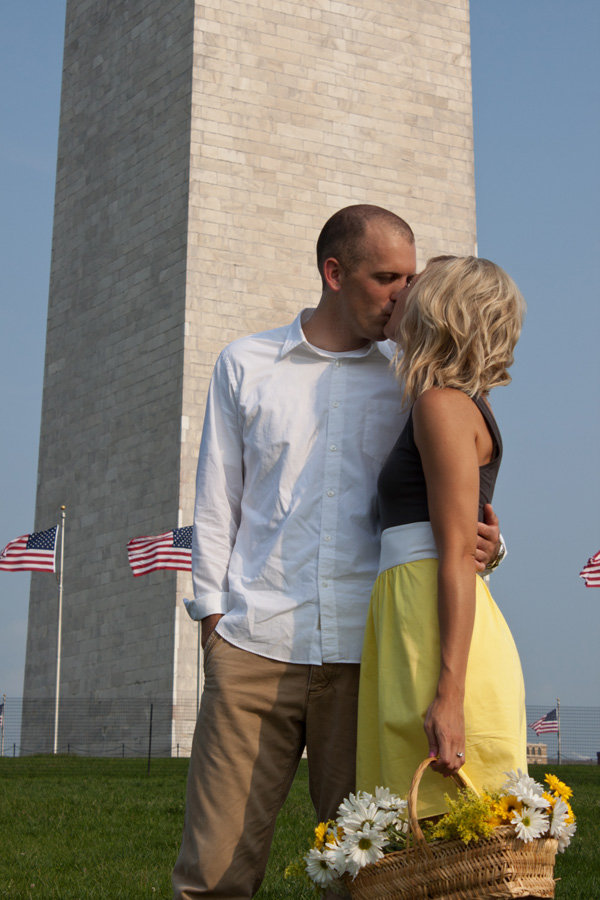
{"points": [[460, 778]]}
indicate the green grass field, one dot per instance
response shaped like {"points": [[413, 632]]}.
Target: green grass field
{"points": [[90, 828]]}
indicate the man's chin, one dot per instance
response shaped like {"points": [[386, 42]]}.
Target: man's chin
{"points": [[376, 333], [379, 334]]}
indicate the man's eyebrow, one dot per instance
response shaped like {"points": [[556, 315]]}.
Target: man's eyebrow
{"points": [[394, 273]]}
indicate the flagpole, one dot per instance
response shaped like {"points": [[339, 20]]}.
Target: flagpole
{"points": [[59, 636], [198, 654], [558, 726], [3, 714]]}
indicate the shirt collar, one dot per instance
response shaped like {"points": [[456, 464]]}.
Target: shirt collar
{"points": [[295, 337]]}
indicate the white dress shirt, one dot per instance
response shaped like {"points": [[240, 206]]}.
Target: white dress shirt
{"points": [[286, 543]]}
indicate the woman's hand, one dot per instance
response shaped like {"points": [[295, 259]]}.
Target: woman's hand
{"points": [[445, 729]]}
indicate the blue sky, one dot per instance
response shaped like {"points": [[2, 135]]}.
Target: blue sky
{"points": [[536, 92]]}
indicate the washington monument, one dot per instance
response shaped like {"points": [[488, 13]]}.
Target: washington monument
{"points": [[201, 147]]}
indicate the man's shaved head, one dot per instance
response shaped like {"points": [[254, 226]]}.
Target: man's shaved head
{"points": [[342, 235]]}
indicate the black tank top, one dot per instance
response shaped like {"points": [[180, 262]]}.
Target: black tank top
{"points": [[401, 488]]}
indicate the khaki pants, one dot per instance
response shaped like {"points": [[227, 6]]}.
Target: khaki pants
{"points": [[256, 717]]}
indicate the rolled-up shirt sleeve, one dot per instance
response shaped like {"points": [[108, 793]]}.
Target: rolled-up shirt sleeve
{"points": [[219, 487]]}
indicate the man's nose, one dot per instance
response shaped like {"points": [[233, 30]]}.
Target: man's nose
{"points": [[400, 290]]}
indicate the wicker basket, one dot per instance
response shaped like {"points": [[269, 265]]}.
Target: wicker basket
{"points": [[497, 867]]}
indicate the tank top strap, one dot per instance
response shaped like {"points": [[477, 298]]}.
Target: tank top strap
{"points": [[491, 423]]}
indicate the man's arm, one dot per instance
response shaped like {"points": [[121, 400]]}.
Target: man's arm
{"points": [[491, 549], [219, 486]]}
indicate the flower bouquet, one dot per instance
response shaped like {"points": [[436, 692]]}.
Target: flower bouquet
{"points": [[500, 844]]}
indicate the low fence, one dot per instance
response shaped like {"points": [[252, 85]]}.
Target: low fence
{"points": [[107, 727], [579, 734], [125, 727]]}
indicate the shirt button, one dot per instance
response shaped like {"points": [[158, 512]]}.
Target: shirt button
{"points": [[331, 493], [324, 584], [333, 446], [327, 537], [335, 404], [338, 362]]}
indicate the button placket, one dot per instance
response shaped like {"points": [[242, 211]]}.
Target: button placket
{"points": [[329, 506]]}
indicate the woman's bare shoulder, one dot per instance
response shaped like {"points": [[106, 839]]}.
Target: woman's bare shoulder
{"points": [[444, 416], [436, 402]]}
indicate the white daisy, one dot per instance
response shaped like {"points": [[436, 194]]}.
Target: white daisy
{"points": [[522, 779], [357, 812], [363, 847], [533, 799], [354, 803], [384, 796], [400, 823], [559, 827], [402, 808], [529, 824], [384, 818], [564, 838], [386, 800], [511, 778], [336, 856], [319, 868], [526, 789], [559, 817], [390, 802]]}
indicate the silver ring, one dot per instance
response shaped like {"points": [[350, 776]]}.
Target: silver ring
{"points": [[460, 754]]}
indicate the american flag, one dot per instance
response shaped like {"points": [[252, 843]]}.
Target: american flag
{"points": [[547, 724], [31, 552], [2, 716], [591, 571], [171, 550]]}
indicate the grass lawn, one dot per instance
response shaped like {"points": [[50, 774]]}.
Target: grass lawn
{"points": [[91, 828]]}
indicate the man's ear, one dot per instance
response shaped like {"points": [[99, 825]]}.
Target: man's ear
{"points": [[332, 272]]}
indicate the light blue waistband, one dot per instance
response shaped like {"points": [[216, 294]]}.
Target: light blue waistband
{"points": [[406, 543]]}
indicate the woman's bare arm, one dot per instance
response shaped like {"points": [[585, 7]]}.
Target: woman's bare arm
{"points": [[449, 438]]}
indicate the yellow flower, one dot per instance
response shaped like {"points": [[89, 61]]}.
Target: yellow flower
{"points": [[335, 834], [320, 832], [468, 819], [494, 817], [328, 834], [325, 833], [552, 781], [571, 816], [558, 786], [507, 806]]}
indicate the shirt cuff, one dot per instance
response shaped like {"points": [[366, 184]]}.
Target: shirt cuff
{"points": [[208, 605]]}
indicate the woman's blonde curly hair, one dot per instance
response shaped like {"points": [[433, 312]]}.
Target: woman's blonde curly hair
{"points": [[462, 321]]}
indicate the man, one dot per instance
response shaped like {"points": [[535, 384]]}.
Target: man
{"points": [[298, 423]]}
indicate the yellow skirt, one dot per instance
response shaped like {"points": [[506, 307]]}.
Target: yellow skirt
{"points": [[398, 681]]}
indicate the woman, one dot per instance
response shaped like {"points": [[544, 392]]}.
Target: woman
{"points": [[440, 674]]}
